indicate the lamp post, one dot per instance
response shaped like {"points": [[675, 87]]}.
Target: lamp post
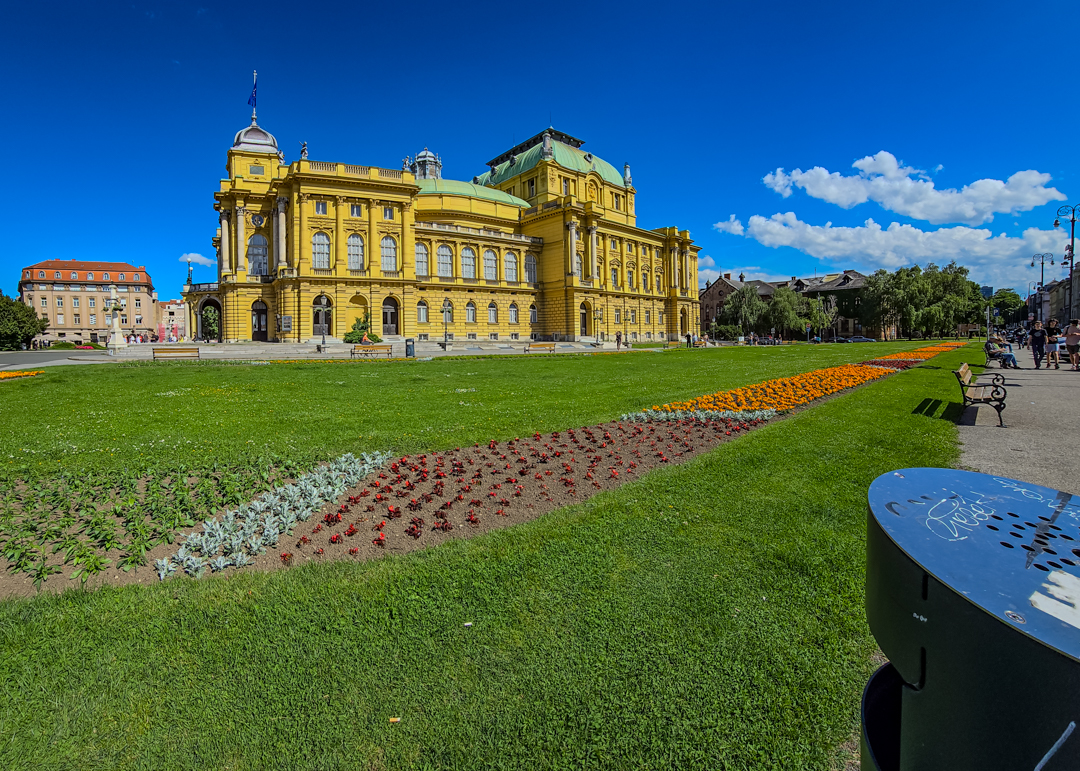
{"points": [[189, 270], [445, 320], [597, 314], [1042, 260], [1070, 212]]}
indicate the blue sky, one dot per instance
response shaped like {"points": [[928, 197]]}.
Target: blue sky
{"points": [[117, 117]]}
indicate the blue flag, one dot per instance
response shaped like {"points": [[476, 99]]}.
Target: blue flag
{"points": [[254, 88]]}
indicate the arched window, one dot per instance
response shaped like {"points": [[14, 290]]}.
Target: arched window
{"points": [[532, 314], [355, 248], [530, 268], [445, 257], [389, 254], [41, 274], [470, 313], [56, 274], [577, 264], [89, 276], [468, 263], [510, 267], [137, 277], [256, 256], [74, 276], [421, 260], [447, 311], [320, 251], [512, 312], [421, 312], [491, 265], [493, 313], [121, 276], [104, 277]]}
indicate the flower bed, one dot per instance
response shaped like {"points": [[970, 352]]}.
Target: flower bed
{"points": [[897, 364], [13, 375]]}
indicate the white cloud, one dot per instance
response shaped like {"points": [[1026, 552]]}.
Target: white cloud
{"points": [[1001, 259], [706, 261], [909, 191], [198, 259], [731, 225]]}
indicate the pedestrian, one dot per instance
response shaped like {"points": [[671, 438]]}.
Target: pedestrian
{"points": [[689, 344], [1037, 343], [995, 351], [1053, 338], [1072, 343], [618, 341]]}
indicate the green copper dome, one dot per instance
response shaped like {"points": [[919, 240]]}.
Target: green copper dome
{"points": [[468, 189], [566, 156]]}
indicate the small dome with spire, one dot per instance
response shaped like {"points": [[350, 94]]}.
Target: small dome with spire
{"points": [[254, 139]]}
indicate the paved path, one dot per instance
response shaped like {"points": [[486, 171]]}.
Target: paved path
{"points": [[1042, 435], [10, 360]]}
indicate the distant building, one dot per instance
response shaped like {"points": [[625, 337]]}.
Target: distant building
{"points": [[71, 294], [986, 291], [171, 319]]}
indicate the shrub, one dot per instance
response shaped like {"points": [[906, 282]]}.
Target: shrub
{"points": [[359, 327], [727, 332]]}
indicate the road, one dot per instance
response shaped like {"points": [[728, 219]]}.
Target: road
{"points": [[33, 359]]}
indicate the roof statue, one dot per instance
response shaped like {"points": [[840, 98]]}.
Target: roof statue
{"points": [[547, 153], [303, 151], [627, 179]]}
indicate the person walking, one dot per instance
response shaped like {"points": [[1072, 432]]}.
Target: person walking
{"points": [[1053, 338], [618, 341], [1037, 343], [1072, 343]]}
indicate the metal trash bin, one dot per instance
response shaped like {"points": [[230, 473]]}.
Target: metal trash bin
{"points": [[973, 593], [410, 348]]}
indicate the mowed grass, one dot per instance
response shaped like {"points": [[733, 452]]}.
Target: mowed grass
{"points": [[706, 616], [147, 420]]}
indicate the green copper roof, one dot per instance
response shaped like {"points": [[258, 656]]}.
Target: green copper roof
{"points": [[568, 157], [456, 187]]}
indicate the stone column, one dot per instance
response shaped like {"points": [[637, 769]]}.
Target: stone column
{"points": [[241, 239], [279, 233], [572, 227], [302, 239], [340, 257], [686, 268], [592, 253], [373, 240], [622, 264], [226, 240], [408, 244]]}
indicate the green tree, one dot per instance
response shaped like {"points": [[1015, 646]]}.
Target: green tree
{"points": [[359, 327], [211, 323], [783, 312], [744, 308], [18, 324]]}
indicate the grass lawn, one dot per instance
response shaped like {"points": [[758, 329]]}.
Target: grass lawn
{"points": [[706, 616]]}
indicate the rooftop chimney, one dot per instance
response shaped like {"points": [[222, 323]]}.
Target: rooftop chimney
{"points": [[727, 276]]}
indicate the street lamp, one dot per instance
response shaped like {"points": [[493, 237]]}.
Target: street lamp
{"points": [[1042, 259], [597, 314], [1070, 212], [189, 270], [445, 320]]}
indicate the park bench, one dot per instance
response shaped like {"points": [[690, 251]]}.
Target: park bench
{"points": [[994, 356], [176, 353], [701, 344], [371, 350], [973, 393], [672, 344], [549, 347]]}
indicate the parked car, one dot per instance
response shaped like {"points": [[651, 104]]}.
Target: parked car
{"points": [[861, 339], [841, 340]]}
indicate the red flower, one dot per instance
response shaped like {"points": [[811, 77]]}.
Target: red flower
{"points": [[286, 557]]}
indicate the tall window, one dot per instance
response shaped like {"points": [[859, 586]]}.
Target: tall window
{"points": [[388, 212], [630, 278], [614, 276], [645, 280], [493, 313], [421, 312], [532, 314], [320, 207], [421, 260], [510, 267], [44, 302], [577, 264], [470, 313], [74, 302], [354, 210], [59, 302], [513, 313], [566, 187], [491, 265], [445, 258], [257, 255], [41, 274], [56, 274], [104, 276], [389, 254], [320, 251], [530, 268], [89, 276], [355, 247], [468, 263], [74, 276], [137, 277]]}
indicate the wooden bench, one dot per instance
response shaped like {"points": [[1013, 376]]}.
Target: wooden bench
{"points": [[673, 344], [701, 344], [371, 350], [176, 353], [973, 393], [549, 347]]}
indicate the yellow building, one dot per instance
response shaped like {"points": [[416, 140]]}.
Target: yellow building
{"points": [[543, 245]]}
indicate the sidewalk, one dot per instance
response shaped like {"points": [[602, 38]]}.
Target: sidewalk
{"points": [[1042, 419]]}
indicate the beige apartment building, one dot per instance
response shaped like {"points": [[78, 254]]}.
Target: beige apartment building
{"points": [[171, 319], [72, 295]]}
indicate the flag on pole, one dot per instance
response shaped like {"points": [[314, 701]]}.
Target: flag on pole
{"points": [[254, 88]]}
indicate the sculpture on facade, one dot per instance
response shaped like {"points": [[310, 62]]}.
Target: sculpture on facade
{"points": [[303, 151]]}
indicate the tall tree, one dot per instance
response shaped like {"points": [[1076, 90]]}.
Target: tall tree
{"points": [[744, 308], [783, 313], [18, 324]]}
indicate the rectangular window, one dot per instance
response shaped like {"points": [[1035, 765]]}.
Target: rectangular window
{"points": [[493, 336], [138, 319], [421, 313], [91, 302], [633, 317], [647, 319], [59, 302], [470, 336], [44, 302], [320, 207], [614, 244], [60, 319], [388, 212], [618, 316], [515, 336], [422, 336], [354, 210], [566, 187], [74, 302], [660, 317], [123, 319], [616, 202], [256, 170], [77, 319], [532, 187], [138, 302], [93, 319]]}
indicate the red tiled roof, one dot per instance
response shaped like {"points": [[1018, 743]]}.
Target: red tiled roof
{"points": [[81, 267]]}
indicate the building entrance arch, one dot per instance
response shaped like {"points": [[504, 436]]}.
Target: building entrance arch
{"points": [[583, 317], [258, 322], [209, 322], [684, 324], [390, 316], [321, 310]]}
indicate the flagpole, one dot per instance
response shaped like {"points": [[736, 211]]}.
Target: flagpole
{"points": [[254, 88]]}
